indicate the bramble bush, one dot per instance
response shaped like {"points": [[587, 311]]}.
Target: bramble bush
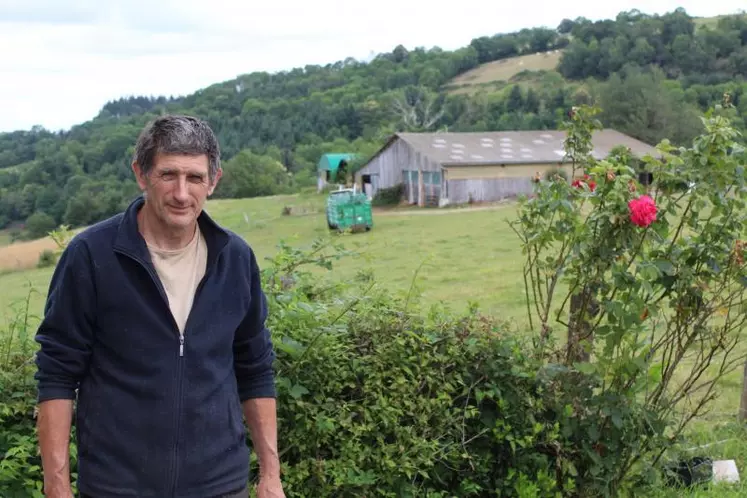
{"points": [[379, 397]]}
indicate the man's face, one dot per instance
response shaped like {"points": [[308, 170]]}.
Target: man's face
{"points": [[177, 187]]}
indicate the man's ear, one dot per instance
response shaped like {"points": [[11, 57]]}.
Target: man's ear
{"points": [[218, 175], [139, 177]]}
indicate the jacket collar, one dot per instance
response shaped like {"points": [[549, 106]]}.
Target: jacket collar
{"points": [[130, 241]]}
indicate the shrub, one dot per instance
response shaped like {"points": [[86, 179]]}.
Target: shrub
{"points": [[390, 403], [388, 196], [20, 466], [648, 286], [46, 259]]}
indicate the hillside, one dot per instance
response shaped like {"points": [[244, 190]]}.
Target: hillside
{"points": [[496, 74], [652, 75], [493, 74]]}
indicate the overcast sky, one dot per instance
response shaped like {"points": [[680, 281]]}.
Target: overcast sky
{"points": [[61, 60]]}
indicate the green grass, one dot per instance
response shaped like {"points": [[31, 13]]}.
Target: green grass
{"points": [[17, 167], [710, 22], [461, 255]]}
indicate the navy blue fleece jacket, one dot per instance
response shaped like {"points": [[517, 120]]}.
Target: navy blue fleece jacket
{"points": [[152, 422]]}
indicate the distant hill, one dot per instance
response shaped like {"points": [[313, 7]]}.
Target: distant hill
{"points": [[497, 73], [652, 75]]}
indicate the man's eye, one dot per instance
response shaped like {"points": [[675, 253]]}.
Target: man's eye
{"points": [[168, 176], [195, 179]]}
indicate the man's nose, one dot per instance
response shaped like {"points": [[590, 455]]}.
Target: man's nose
{"points": [[181, 191]]}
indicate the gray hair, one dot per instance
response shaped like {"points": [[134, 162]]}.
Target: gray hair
{"points": [[176, 134]]}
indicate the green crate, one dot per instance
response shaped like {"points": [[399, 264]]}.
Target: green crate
{"points": [[349, 209]]}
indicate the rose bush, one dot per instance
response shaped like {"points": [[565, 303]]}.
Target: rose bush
{"points": [[636, 294]]}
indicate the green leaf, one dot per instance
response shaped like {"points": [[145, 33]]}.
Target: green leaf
{"points": [[297, 391], [616, 419], [586, 368], [665, 266], [290, 347]]}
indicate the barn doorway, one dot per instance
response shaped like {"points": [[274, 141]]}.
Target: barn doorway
{"points": [[370, 184]]}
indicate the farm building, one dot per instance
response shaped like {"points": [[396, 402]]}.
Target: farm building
{"points": [[456, 168], [329, 165]]}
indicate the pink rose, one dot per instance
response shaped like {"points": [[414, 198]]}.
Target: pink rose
{"points": [[642, 211]]}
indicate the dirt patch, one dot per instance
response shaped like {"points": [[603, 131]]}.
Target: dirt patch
{"points": [[24, 255]]}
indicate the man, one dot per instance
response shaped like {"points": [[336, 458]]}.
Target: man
{"points": [[156, 317]]}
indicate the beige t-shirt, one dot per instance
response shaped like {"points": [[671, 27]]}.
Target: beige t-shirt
{"points": [[180, 272]]}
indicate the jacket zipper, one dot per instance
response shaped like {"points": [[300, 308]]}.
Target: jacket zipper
{"points": [[179, 366], [177, 401]]}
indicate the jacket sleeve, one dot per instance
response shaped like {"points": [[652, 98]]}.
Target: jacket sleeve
{"points": [[252, 348], [65, 334]]}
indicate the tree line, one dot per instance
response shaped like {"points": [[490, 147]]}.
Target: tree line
{"points": [[650, 74]]}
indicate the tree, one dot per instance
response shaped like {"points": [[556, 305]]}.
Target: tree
{"points": [[250, 175], [39, 225], [418, 109]]}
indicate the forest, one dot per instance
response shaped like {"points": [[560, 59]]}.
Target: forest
{"points": [[651, 74]]}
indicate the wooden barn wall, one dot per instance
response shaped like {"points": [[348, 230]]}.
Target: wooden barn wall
{"points": [[501, 171], [457, 184], [392, 162], [486, 189], [488, 183]]}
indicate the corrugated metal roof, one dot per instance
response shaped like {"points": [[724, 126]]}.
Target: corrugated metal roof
{"points": [[513, 147], [332, 161]]}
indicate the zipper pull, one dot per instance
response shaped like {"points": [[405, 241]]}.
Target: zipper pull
{"points": [[181, 345]]}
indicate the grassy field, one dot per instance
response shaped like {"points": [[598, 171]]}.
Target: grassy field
{"points": [[503, 70], [708, 22], [463, 255]]}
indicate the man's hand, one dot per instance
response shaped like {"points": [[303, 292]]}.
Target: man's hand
{"points": [[270, 487], [261, 417], [53, 423]]}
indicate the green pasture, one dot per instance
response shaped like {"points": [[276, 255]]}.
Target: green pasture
{"points": [[459, 256]]}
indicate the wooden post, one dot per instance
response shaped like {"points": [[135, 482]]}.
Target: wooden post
{"points": [[421, 189], [743, 405]]}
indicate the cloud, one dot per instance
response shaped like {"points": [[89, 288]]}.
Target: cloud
{"points": [[32, 12], [62, 60]]}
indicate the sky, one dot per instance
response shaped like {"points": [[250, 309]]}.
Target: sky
{"points": [[62, 60]]}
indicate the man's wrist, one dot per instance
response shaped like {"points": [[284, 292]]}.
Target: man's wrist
{"points": [[269, 472], [58, 489]]}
